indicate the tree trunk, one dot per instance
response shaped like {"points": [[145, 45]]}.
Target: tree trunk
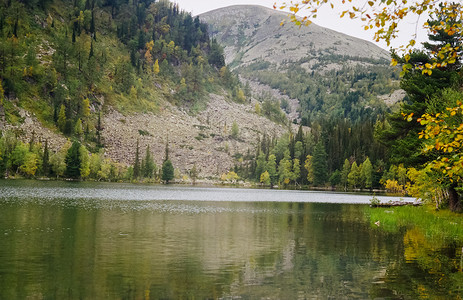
{"points": [[455, 204]]}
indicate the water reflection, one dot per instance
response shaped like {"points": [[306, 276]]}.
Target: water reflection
{"points": [[78, 248]]}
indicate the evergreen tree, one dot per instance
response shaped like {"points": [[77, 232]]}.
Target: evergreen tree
{"points": [[320, 165], [194, 174], [73, 161], [296, 170], [98, 131], [46, 160], [167, 171], [367, 173], [216, 55], [235, 130], [345, 173], [166, 155], [78, 130], [136, 165], [272, 170], [261, 165], [62, 118], [355, 175], [402, 138], [149, 166]]}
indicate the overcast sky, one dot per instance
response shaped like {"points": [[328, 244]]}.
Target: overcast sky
{"points": [[326, 18]]}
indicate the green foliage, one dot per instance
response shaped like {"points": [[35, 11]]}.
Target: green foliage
{"points": [[265, 178], [61, 70], [345, 173], [30, 164], [148, 166], [355, 176], [73, 161], [320, 165], [367, 173], [235, 130], [137, 165], [167, 171], [439, 226], [329, 93]]}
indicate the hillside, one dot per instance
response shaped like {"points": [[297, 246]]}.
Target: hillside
{"points": [[109, 73], [329, 73]]}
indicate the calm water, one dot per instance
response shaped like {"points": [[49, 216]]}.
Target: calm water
{"points": [[63, 240]]}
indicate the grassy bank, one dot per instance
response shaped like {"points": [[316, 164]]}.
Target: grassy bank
{"points": [[438, 226]]}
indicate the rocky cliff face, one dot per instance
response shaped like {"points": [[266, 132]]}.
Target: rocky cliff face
{"points": [[250, 33], [203, 139]]}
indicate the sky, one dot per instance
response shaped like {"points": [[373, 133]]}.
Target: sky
{"points": [[326, 18]]}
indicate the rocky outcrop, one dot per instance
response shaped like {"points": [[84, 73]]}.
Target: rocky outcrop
{"points": [[203, 139]]}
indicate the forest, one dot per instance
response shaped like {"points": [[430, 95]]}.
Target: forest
{"points": [[414, 150], [66, 61]]}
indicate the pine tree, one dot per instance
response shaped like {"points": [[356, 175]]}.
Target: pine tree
{"points": [[62, 118], [91, 54], [272, 170], [367, 173], [194, 174], [78, 130], [235, 130], [98, 131], [167, 171], [149, 166], [320, 165], [345, 173], [46, 160], [355, 175], [166, 156], [136, 165], [261, 165], [73, 161]]}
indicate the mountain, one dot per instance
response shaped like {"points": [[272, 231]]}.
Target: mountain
{"points": [[323, 73], [250, 33]]}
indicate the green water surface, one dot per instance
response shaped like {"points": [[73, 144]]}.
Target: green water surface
{"points": [[63, 240]]}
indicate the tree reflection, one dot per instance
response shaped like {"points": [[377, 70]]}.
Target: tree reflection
{"points": [[426, 270]]}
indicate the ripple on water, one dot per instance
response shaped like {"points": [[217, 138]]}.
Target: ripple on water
{"points": [[164, 199]]}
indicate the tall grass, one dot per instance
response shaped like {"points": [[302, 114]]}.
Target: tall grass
{"points": [[438, 226]]}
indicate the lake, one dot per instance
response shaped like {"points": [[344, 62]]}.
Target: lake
{"points": [[68, 240]]}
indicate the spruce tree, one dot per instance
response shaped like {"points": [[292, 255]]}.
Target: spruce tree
{"points": [[167, 171], [73, 162], [148, 164], [272, 170], [136, 165], [194, 174], [320, 165], [46, 160]]}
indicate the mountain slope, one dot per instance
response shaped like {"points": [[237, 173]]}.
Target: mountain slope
{"points": [[250, 33], [109, 73], [330, 74]]}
